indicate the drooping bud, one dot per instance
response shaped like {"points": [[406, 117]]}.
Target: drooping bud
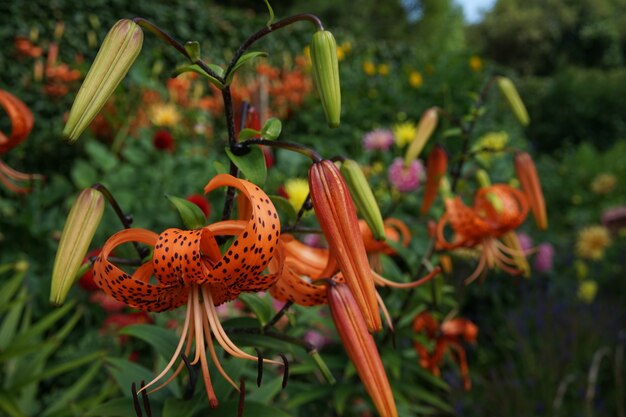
{"points": [[508, 90], [528, 178], [114, 59], [337, 217], [78, 232], [361, 348], [326, 74], [436, 167], [425, 129], [363, 197]]}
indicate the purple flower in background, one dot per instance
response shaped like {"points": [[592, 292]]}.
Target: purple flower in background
{"points": [[525, 241], [614, 219], [405, 179], [316, 338], [543, 258], [378, 139]]}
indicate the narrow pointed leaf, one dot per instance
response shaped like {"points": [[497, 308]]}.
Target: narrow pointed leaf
{"points": [[190, 213], [248, 56], [252, 164]]}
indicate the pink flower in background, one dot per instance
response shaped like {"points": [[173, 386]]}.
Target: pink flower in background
{"points": [[380, 139], [544, 257], [614, 219], [316, 338], [405, 179], [525, 241]]}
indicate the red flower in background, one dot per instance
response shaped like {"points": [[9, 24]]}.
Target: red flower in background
{"points": [[201, 202], [163, 140]]}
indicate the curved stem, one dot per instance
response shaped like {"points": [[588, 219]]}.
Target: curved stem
{"points": [[167, 38], [290, 146], [267, 30]]}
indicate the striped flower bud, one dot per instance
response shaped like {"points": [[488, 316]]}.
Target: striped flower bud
{"points": [[508, 90], [337, 217], [425, 129], [436, 166], [528, 178], [115, 57], [363, 197], [361, 348], [78, 232], [326, 74]]}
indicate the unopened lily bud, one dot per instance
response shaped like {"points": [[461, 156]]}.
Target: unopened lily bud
{"points": [[114, 59], [436, 167], [78, 232], [425, 129], [508, 90], [361, 348], [336, 214], [326, 74], [363, 197], [528, 178]]}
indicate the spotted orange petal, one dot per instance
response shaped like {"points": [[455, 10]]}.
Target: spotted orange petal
{"points": [[135, 290]]}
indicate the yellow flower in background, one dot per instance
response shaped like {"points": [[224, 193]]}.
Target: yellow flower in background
{"points": [[369, 68], [581, 268], [297, 189], [307, 52], [603, 183], [592, 242], [587, 290], [383, 69], [404, 133], [341, 53], [475, 63], [165, 115], [377, 168], [415, 79], [492, 144], [346, 46]]}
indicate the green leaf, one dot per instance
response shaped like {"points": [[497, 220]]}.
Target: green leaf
{"points": [[251, 408], [271, 12], [284, 206], [251, 165], [248, 56], [309, 395], [248, 133], [175, 407], [193, 50], [190, 214], [198, 70], [44, 324], [71, 393], [10, 322], [119, 407], [125, 373], [267, 391], [101, 156], [163, 341], [62, 368], [261, 307], [272, 128], [83, 174], [9, 406], [10, 287], [217, 69], [455, 131], [220, 168]]}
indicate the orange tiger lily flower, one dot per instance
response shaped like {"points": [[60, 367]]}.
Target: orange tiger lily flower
{"points": [[528, 178], [395, 231], [337, 217], [190, 269], [447, 335], [22, 121], [497, 210], [436, 167]]}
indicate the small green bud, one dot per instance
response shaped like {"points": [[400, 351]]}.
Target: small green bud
{"points": [[326, 74], [78, 232], [363, 197], [508, 90], [115, 57], [425, 129]]}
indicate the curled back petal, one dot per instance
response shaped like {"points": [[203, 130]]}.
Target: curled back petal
{"points": [[21, 121], [136, 290]]}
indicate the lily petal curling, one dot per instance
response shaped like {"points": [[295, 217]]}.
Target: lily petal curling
{"points": [[189, 268], [361, 348], [337, 217]]}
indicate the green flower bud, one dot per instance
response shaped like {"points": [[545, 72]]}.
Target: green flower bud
{"points": [[115, 57], [78, 232], [363, 197], [326, 74], [425, 129], [508, 90]]}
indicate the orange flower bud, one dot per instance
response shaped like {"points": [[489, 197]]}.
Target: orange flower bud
{"points": [[337, 217], [528, 178], [436, 167], [361, 349]]}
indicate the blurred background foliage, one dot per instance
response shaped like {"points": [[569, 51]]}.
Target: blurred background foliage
{"points": [[537, 336]]}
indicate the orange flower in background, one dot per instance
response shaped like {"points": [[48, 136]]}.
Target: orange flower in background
{"points": [[436, 167], [26, 48], [448, 335], [22, 121], [497, 210], [189, 268]]}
